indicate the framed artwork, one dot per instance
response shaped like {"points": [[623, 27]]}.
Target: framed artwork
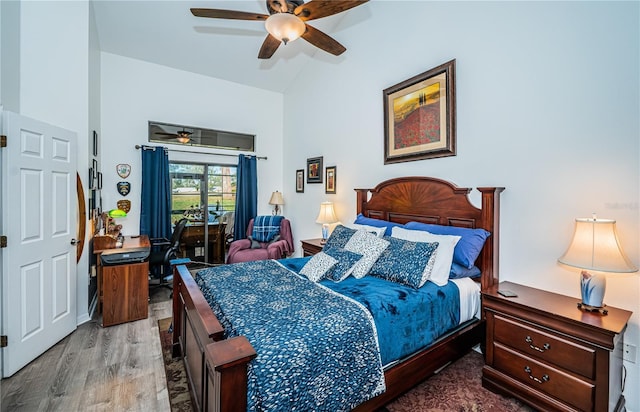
{"points": [[91, 178], [330, 180], [99, 181], [95, 143], [314, 170], [300, 181], [420, 116]]}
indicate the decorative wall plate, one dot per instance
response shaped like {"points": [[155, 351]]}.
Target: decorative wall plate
{"points": [[124, 170], [124, 205], [124, 188]]}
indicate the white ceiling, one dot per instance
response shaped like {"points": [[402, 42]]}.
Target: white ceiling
{"points": [[166, 33]]}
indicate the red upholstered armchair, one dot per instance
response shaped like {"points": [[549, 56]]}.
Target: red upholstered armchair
{"points": [[240, 250]]}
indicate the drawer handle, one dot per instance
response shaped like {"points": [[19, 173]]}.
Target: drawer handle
{"points": [[544, 348], [545, 377]]}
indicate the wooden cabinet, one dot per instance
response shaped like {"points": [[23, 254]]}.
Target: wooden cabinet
{"points": [[542, 349], [125, 293], [311, 246], [192, 242]]}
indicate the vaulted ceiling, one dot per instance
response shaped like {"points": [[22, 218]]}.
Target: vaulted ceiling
{"points": [[166, 33]]}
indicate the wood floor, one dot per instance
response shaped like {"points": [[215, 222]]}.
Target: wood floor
{"points": [[119, 368]]}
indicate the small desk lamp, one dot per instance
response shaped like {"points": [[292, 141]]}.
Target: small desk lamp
{"points": [[326, 216], [276, 200], [595, 246]]}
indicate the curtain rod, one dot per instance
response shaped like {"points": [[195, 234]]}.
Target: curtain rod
{"points": [[206, 153]]}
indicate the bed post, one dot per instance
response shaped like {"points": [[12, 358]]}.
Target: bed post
{"points": [[361, 198], [491, 222]]}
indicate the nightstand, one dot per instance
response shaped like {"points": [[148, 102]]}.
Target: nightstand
{"points": [[311, 246], [545, 351]]}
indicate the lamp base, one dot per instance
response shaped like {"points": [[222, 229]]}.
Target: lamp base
{"points": [[588, 308], [323, 241]]}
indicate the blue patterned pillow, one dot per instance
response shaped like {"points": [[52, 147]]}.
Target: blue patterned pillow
{"points": [[318, 266], [406, 262], [345, 263], [369, 246], [339, 237]]}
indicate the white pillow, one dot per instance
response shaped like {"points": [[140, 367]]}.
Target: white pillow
{"points": [[318, 266], [444, 254], [378, 231], [369, 246]]}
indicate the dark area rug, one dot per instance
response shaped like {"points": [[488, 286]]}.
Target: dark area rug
{"points": [[457, 388], [179, 395]]}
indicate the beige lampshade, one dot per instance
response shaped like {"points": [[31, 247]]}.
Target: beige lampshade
{"points": [[276, 198], [595, 246], [285, 27], [327, 214]]}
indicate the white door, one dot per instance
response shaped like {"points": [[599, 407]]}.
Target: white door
{"points": [[39, 220]]}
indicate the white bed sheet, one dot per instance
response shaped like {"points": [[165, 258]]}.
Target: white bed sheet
{"points": [[469, 298]]}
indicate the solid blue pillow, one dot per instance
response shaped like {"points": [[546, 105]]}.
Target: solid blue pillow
{"points": [[459, 272], [346, 260], [468, 247], [362, 220]]}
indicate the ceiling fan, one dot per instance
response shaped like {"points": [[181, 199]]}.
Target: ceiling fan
{"points": [[182, 136], [287, 21]]}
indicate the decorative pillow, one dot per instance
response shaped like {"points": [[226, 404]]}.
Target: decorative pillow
{"points": [[266, 228], [369, 221], [346, 261], [458, 272], [369, 246], [468, 248], [378, 231], [339, 237], [318, 266], [444, 257], [406, 262]]}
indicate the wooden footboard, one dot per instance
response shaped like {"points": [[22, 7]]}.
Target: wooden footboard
{"points": [[216, 367]]}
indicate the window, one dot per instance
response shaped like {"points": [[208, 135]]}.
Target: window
{"points": [[166, 133], [197, 187]]}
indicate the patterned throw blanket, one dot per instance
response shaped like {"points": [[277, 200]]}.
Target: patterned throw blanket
{"points": [[266, 228], [317, 350]]}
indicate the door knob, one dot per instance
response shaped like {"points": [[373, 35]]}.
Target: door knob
{"points": [[74, 241]]}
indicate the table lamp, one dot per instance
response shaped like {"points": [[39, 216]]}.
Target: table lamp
{"points": [[595, 246], [276, 200], [326, 216]]}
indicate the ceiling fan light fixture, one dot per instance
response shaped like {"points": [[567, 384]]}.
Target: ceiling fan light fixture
{"points": [[183, 139], [285, 27]]}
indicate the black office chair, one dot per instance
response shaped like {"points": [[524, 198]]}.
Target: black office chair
{"points": [[162, 251]]}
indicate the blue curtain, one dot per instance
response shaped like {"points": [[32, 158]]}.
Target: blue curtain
{"points": [[246, 195], [155, 203]]}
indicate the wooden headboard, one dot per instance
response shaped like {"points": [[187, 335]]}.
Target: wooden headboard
{"points": [[430, 200]]}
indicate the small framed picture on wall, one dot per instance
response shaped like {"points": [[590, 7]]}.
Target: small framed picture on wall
{"points": [[314, 170], [330, 180], [300, 181]]}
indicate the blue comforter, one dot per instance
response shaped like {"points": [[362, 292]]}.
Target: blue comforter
{"points": [[407, 319], [317, 350]]}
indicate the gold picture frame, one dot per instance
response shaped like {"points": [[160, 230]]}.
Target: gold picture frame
{"points": [[420, 116], [330, 180]]}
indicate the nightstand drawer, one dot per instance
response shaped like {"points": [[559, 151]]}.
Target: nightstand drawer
{"points": [[543, 378], [540, 345]]}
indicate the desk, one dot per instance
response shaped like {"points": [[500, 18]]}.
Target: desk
{"points": [[193, 237], [123, 290]]}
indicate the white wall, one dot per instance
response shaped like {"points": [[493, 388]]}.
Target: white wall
{"points": [[547, 106], [54, 81], [135, 92]]}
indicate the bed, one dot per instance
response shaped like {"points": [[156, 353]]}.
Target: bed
{"points": [[217, 365]]}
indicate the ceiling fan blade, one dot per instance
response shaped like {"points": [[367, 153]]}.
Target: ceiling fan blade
{"points": [[166, 134], [228, 14], [269, 47], [316, 9], [323, 41]]}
